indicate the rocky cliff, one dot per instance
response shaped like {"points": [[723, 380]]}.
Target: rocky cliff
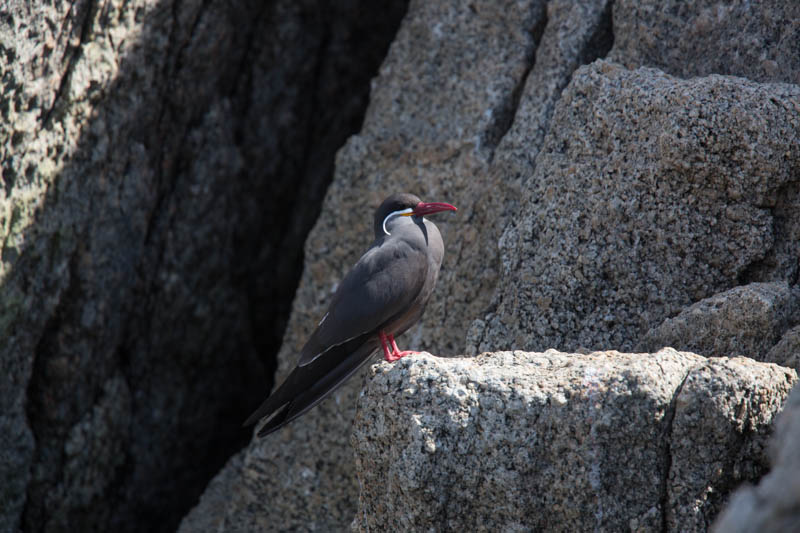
{"points": [[627, 175], [162, 162]]}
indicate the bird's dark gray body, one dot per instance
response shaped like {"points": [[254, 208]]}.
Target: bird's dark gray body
{"points": [[385, 292]]}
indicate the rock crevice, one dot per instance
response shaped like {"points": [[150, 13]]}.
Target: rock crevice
{"points": [[670, 418]]}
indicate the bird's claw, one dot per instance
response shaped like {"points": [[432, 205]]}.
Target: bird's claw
{"points": [[392, 357], [394, 354]]}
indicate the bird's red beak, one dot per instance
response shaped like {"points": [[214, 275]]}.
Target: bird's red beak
{"points": [[428, 208]]}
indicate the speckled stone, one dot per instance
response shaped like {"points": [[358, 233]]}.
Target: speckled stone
{"points": [[515, 441], [747, 320], [752, 40], [755, 40], [653, 193], [160, 163], [773, 506], [724, 413], [444, 96], [787, 350]]}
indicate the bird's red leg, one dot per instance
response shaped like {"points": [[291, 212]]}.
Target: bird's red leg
{"points": [[386, 353], [395, 349], [396, 353]]}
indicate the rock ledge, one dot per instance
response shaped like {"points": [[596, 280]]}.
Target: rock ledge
{"points": [[517, 441]]}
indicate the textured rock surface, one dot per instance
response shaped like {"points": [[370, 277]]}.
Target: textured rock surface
{"points": [[150, 236], [773, 505], [737, 38], [209, 514], [575, 33], [787, 351], [445, 96], [741, 38], [747, 320], [653, 193], [161, 162], [723, 414], [515, 441]]}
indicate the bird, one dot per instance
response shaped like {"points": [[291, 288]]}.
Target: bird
{"points": [[381, 297]]}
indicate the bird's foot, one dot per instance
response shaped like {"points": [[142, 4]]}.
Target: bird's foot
{"points": [[394, 354]]}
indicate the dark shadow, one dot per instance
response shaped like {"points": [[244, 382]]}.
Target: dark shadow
{"points": [[602, 40], [160, 270]]}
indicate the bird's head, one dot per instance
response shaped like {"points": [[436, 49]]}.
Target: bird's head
{"points": [[404, 205]]}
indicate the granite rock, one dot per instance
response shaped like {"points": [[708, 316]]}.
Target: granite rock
{"points": [[755, 40], [747, 320], [163, 161], [774, 504], [160, 165], [787, 350], [704, 38], [724, 412], [653, 193], [446, 95], [514, 441]]}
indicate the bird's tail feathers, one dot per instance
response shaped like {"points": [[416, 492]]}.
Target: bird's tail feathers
{"points": [[276, 420], [308, 385], [275, 402]]}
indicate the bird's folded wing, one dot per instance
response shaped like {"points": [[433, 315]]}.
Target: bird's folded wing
{"points": [[381, 285], [308, 385]]}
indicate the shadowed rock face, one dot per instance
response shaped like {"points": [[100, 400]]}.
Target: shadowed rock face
{"points": [[515, 441], [772, 505], [161, 162], [161, 165], [594, 202], [445, 97]]}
